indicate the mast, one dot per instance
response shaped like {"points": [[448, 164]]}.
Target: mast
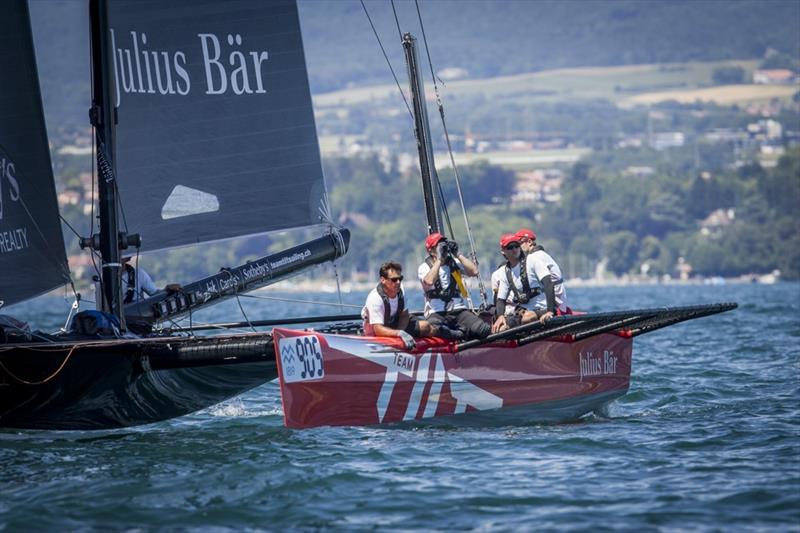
{"points": [[102, 116], [433, 211]]}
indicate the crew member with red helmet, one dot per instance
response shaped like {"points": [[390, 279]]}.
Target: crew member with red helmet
{"points": [[441, 278], [542, 269], [512, 289]]}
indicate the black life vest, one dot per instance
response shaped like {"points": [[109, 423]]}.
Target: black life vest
{"points": [[437, 293], [387, 308], [130, 292], [527, 293]]}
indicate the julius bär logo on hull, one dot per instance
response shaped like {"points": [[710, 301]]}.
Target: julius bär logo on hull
{"points": [[592, 364]]}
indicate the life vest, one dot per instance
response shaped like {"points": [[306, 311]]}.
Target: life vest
{"points": [[130, 292], [437, 292], [527, 293], [387, 308]]}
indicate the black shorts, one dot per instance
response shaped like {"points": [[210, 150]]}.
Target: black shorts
{"points": [[413, 326], [473, 326]]}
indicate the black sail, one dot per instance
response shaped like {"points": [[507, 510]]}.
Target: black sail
{"points": [[32, 256], [215, 134]]}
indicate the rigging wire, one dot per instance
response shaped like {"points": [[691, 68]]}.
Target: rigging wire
{"points": [[295, 300], [397, 21], [474, 256], [64, 270], [333, 230], [399, 87], [238, 300]]}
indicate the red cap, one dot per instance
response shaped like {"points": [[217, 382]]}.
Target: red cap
{"points": [[433, 239], [526, 234], [507, 239]]}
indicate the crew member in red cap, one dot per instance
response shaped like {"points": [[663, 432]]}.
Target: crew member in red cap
{"points": [[442, 283], [542, 269], [509, 283]]}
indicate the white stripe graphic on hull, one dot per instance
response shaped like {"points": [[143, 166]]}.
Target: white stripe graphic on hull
{"points": [[436, 389], [423, 369], [466, 393], [386, 394]]}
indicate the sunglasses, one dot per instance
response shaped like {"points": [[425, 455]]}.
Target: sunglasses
{"points": [[396, 280], [511, 247]]}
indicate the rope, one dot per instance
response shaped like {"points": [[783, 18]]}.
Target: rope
{"points": [[335, 232], [238, 300], [399, 87], [45, 380], [473, 254]]}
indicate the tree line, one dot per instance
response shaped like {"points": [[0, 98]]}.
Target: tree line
{"points": [[604, 214]]}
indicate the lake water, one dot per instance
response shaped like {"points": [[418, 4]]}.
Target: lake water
{"points": [[708, 438]]}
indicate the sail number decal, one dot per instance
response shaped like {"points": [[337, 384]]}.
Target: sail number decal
{"points": [[301, 358]]}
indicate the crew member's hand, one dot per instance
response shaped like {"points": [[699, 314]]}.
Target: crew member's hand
{"points": [[408, 340], [499, 324], [545, 317], [173, 287]]}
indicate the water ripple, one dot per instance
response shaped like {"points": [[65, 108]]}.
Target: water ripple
{"points": [[707, 439]]}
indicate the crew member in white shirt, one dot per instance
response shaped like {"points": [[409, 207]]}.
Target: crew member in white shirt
{"points": [[513, 288], [543, 268], [385, 314], [137, 283]]}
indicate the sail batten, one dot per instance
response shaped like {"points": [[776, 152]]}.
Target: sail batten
{"points": [[215, 135]]}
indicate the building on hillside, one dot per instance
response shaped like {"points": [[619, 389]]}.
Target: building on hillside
{"points": [[726, 135], [774, 77], [541, 185], [68, 197], [668, 139], [716, 220], [352, 218], [639, 172]]}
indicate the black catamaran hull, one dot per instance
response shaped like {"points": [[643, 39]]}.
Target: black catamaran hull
{"points": [[117, 383]]}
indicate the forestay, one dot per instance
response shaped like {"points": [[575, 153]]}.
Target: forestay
{"points": [[32, 256], [215, 135]]}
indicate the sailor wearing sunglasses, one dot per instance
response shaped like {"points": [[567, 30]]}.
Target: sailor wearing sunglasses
{"points": [[385, 313], [534, 283]]}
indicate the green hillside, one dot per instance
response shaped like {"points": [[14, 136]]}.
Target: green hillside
{"points": [[485, 38], [497, 38]]}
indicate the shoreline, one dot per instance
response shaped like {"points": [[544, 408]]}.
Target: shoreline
{"points": [[329, 286]]}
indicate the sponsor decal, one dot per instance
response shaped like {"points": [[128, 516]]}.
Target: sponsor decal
{"points": [[289, 259], [13, 239], [301, 359], [592, 364], [229, 67], [256, 270]]}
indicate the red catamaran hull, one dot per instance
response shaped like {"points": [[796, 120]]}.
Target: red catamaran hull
{"points": [[331, 380]]}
